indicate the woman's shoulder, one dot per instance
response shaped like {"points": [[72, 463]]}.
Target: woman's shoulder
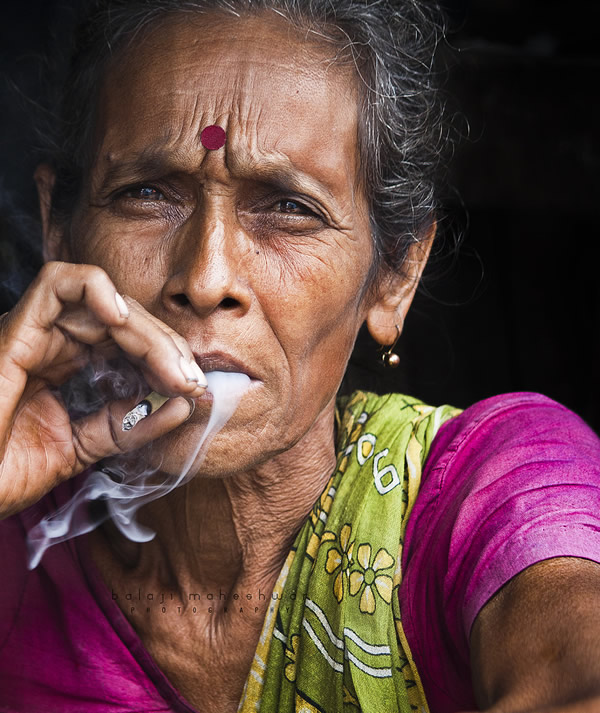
{"points": [[502, 462], [493, 425], [510, 428], [525, 408]]}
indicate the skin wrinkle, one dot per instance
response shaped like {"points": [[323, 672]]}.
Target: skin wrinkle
{"points": [[290, 313], [247, 94], [394, 38], [152, 162], [270, 166]]}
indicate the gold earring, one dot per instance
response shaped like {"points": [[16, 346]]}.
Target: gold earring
{"points": [[390, 358]]}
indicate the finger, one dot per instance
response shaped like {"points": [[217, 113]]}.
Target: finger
{"points": [[181, 343], [169, 364], [48, 326], [82, 326], [147, 342], [59, 284], [101, 434], [29, 339], [82, 302]]}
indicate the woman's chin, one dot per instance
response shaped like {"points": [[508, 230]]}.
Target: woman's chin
{"points": [[254, 433], [184, 453]]}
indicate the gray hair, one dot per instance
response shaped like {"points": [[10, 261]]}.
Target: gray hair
{"points": [[392, 45]]}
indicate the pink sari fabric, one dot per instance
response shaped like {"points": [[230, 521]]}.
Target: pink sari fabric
{"points": [[512, 481]]}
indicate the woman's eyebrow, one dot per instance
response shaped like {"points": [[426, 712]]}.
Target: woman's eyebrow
{"points": [[278, 170], [147, 163], [156, 161]]}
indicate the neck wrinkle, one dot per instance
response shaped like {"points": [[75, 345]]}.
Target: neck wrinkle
{"points": [[216, 535]]}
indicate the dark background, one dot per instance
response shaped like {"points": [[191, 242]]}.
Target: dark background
{"points": [[517, 308]]}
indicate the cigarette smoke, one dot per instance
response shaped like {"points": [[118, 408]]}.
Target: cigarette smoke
{"points": [[125, 483]]}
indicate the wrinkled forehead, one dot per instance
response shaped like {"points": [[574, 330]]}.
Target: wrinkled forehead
{"points": [[274, 89]]}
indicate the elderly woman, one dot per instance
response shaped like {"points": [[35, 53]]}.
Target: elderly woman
{"points": [[237, 186]]}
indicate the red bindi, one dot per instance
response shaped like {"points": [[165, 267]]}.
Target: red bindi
{"points": [[212, 137]]}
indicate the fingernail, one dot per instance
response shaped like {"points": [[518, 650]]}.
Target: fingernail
{"points": [[121, 306], [200, 374], [187, 369]]}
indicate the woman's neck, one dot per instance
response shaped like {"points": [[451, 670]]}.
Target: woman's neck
{"points": [[227, 535]]}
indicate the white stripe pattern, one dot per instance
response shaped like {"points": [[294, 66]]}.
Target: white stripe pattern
{"points": [[375, 672], [317, 642], [369, 648], [336, 666], [259, 661], [274, 604], [377, 650], [278, 635], [323, 619]]}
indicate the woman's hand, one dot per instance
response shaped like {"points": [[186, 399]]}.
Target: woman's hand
{"points": [[69, 312]]}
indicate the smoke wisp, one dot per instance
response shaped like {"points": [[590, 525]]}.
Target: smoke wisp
{"points": [[126, 483]]}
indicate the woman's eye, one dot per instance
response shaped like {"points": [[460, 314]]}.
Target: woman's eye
{"points": [[294, 207], [144, 193]]}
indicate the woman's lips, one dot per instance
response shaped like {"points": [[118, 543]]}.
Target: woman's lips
{"points": [[219, 361]]}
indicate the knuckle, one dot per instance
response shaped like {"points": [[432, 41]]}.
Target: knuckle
{"points": [[86, 448], [180, 342], [97, 278], [117, 447], [154, 350], [50, 271]]}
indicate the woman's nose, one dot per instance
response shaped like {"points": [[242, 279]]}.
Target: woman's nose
{"points": [[205, 269]]}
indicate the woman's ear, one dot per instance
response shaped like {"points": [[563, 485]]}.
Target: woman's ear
{"points": [[385, 317], [53, 243]]}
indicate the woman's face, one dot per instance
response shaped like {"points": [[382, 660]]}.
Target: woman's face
{"points": [[258, 252]]}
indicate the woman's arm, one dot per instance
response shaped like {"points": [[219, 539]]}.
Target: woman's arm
{"points": [[536, 645]]}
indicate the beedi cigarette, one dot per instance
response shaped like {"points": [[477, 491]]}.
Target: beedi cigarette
{"points": [[148, 405]]}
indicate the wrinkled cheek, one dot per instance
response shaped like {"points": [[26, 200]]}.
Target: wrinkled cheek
{"points": [[336, 310], [319, 335], [134, 262]]}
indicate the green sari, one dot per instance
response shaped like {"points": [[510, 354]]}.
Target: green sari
{"points": [[332, 639]]}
